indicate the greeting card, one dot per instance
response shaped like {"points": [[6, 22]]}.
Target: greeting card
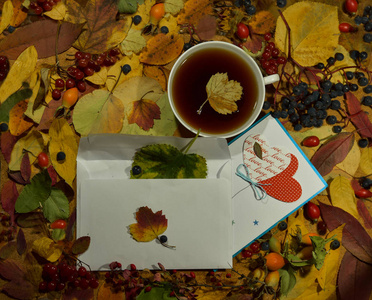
{"points": [[272, 178]]}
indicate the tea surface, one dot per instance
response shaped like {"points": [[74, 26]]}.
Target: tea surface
{"points": [[189, 90]]}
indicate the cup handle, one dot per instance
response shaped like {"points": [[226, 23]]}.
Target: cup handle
{"points": [[271, 79]]}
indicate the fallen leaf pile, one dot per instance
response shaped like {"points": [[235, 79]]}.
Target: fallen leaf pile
{"points": [[119, 55]]}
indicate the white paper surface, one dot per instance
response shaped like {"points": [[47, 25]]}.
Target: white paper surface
{"points": [[252, 217], [198, 210]]}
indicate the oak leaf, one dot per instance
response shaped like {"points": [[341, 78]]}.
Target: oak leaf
{"points": [[314, 35], [223, 93], [194, 10], [149, 225], [17, 122], [162, 49], [143, 113], [62, 139]]}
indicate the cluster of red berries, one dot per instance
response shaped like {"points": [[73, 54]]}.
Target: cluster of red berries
{"points": [[40, 6], [4, 67], [270, 59], [255, 247], [58, 277]]}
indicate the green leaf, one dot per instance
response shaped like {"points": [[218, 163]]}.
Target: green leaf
{"points": [[319, 252], [127, 6], [35, 193], [56, 206], [287, 280], [58, 234], [81, 245], [11, 101], [295, 261], [166, 161], [156, 293]]}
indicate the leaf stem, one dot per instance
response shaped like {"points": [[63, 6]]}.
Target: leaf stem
{"points": [[199, 111], [188, 146]]}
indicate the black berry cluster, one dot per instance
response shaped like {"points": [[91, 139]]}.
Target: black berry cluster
{"points": [[366, 20], [250, 9]]}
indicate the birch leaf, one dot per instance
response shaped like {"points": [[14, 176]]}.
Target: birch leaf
{"points": [[62, 139], [223, 93], [314, 36], [20, 71]]}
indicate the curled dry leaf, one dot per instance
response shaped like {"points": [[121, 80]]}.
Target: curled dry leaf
{"points": [[222, 94]]}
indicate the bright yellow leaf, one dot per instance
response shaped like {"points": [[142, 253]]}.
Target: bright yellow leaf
{"points": [[144, 11], [35, 115], [32, 143], [47, 248], [98, 78], [20, 71], [62, 139], [314, 35], [6, 15], [366, 160], [171, 23], [342, 195], [58, 12], [19, 13]]}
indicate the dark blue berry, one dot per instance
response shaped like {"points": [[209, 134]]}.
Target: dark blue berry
{"points": [[311, 111], [363, 55], [318, 123], [331, 61], [362, 143], [3, 127], [333, 94], [368, 27], [338, 86], [367, 100], [367, 37], [335, 104], [136, 170], [326, 85], [354, 87], [301, 106], [363, 81], [335, 244], [238, 3], [368, 89], [137, 19], [339, 56], [283, 114], [297, 127], [164, 29], [354, 54], [126, 69], [349, 75], [282, 226], [337, 129], [186, 46], [319, 105], [358, 20], [321, 114], [11, 29], [61, 156], [345, 88], [297, 90], [265, 246], [364, 20], [266, 105], [163, 239], [331, 120], [281, 3], [359, 75], [319, 66], [276, 114], [294, 118], [250, 10], [366, 183]]}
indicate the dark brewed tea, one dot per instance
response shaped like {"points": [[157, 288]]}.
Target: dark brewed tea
{"points": [[189, 90]]}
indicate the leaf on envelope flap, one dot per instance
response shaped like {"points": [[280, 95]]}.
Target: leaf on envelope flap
{"points": [[257, 150], [166, 161], [149, 225]]}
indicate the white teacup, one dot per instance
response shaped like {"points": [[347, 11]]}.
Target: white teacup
{"points": [[182, 93]]}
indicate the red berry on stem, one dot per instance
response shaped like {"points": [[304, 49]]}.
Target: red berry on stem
{"points": [[242, 31], [322, 227], [351, 6], [38, 10], [311, 141], [56, 94], [93, 283], [247, 253], [88, 71], [47, 6], [3, 75], [267, 36], [133, 267], [81, 86], [82, 63], [148, 289], [363, 193], [43, 286], [70, 83], [255, 247], [312, 211], [79, 55], [82, 271], [192, 274], [79, 75], [59, 83]]}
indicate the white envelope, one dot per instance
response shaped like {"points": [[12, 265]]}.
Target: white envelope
{"points": [[198, 210]]}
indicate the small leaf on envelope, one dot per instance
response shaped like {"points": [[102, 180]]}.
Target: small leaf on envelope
{"points": [[257, 150], [149, 225], [223, 93]]}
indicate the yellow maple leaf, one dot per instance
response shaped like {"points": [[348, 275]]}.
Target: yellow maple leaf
{"points": [[47, 248], [343, 196], [62, 139], [314, 35], [222, 94], [6, 15], [20, 71]]}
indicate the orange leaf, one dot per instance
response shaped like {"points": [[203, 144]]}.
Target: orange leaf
{"points": [[158, 73], [162, 49], [149, 225], [194, 10], [19, 14], [143, 113], [262, 22], [17, 122]]}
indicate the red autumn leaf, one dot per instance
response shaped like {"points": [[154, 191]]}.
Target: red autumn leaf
{"points": [[149, 225], [364, 213], [359, 117], [354, 278], [9, 196], [354, 237], [206, 28], [254, 43], [21, 242], [53, 174], [42, 34], [26, 168], [332, 152], [7, 143], [143, 113]]}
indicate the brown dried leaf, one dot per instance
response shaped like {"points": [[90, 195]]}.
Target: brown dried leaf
{"points": [[162, 49], [354, 237], [42, 34], [7, 142], [206, 28], [254, 43], [81, 245], [9, 196], [194, 10], [26, 168], [13, 289], [29, 220], [332, 152], [8, 249], [21, 242]]}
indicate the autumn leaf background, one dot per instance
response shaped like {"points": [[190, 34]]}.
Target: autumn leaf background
{"points": [[128, 95]]}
